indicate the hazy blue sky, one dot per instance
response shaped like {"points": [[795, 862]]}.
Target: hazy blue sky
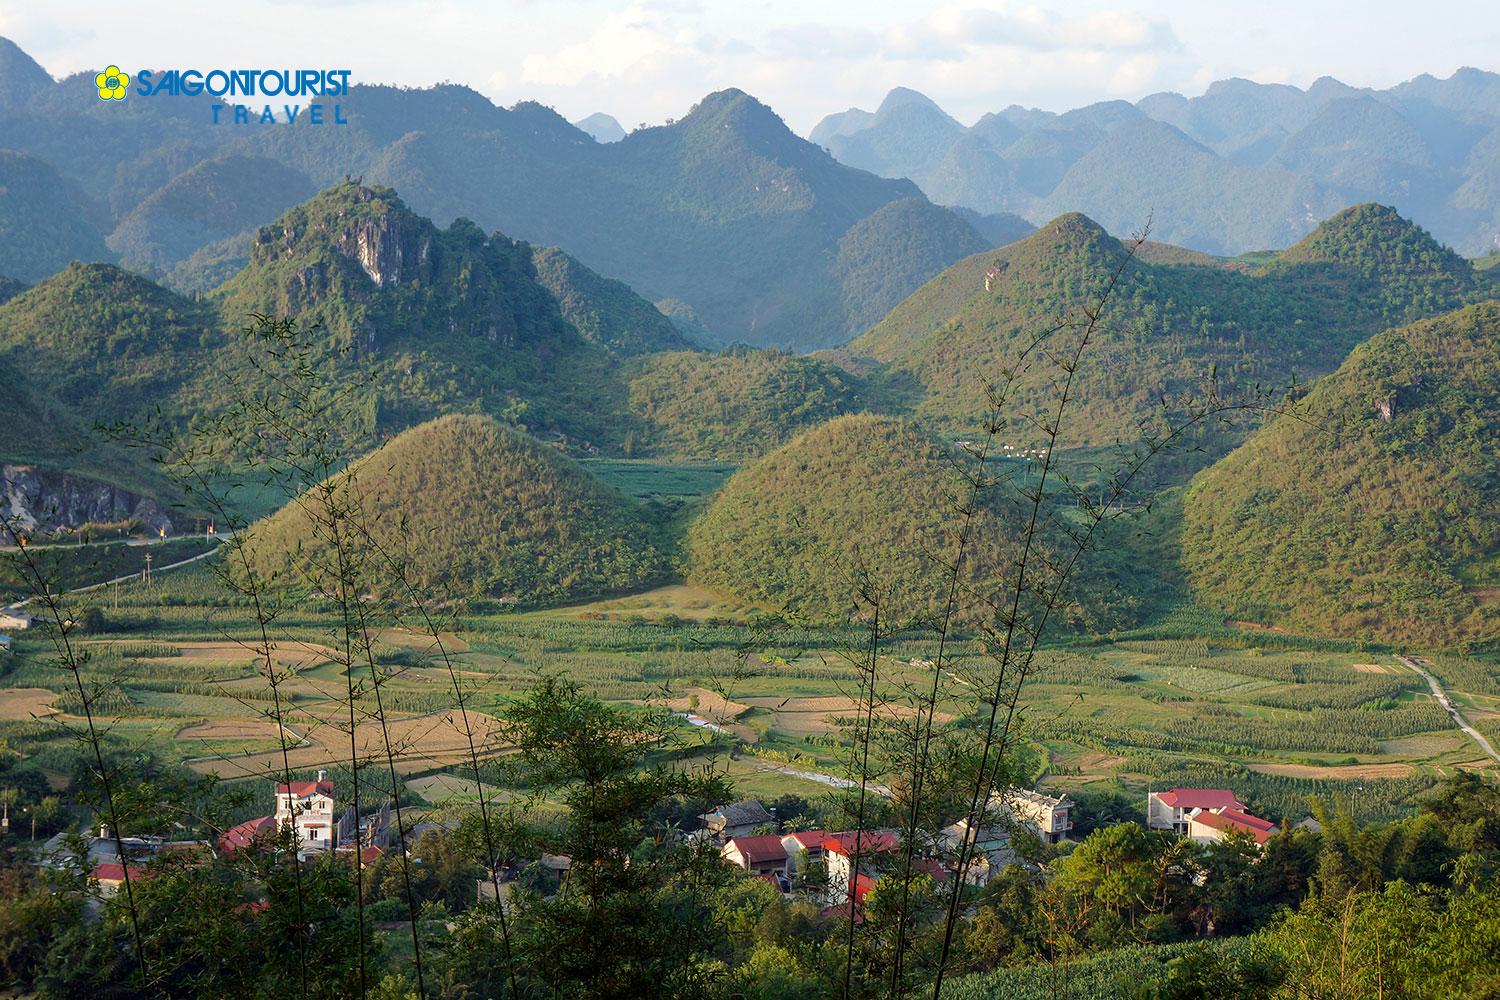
{"points": [[646, 60]]}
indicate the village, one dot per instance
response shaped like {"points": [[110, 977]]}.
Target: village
{"points": [[835, 869]]}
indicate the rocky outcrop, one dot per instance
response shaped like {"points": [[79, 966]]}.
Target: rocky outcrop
{"points": [[41, 499]]}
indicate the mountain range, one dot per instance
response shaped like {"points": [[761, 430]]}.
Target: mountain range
{"points": [[754, 234], [1245, 166]]}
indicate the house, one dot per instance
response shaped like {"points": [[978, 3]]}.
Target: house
{"points": [[1208, 825], [111, 876], [5, 647], [307, 808], [1046, 815], [803, 848], [989, 850], [756, 854], [246, 834], [839, 852], [1170, 810], [738, 819], [15, 619]]}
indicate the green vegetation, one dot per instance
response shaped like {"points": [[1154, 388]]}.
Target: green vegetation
{"points": [[45, 220], [220, 199], [475, 509], [1171, 333], [733, 405], [861, 502], [107, 342], [1370, 509], [606, 312]]}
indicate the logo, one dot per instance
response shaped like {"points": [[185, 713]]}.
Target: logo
{"points": [[113, 85]]}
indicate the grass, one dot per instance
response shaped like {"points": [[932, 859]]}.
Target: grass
{"points": [[643, 478], [1107, 715]]}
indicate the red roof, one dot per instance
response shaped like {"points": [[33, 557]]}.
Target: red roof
{"points": [[862, 886], [369, 853], [1230, 820], [1200, 798], [302, 789], [758, 850], [769, 877], [112, 872], [869, 842], [808, 839], [247, 833]]}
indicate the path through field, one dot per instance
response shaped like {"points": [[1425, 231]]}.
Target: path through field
{"points": [[1415, 663]]}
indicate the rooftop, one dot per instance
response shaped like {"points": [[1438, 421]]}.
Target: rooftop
{"points": [[748, 813], [1200, 798], [302, 789], [1231, 820], [807, 839], [869, 842], [758, 850]]}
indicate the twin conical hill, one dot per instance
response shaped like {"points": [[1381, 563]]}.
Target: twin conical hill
{"points": [[473, 508], [1372, 510]]}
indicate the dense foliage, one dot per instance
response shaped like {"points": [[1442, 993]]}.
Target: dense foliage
{"points": [[473, 509], [733, 405], [1370, 509], [604, 310], [107, 342], [1172, 335], [225, 198], [45, 220]]}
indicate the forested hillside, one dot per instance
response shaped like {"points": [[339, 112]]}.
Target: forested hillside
{"points": [[472, 509], [1172, 332], [1373, 508]]}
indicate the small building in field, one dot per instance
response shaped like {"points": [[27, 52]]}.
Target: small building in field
{"points": [[803, 848], [738, 819], [1208, 825], [5, 646], [15, 619], [1170, 810], [757, 855]]}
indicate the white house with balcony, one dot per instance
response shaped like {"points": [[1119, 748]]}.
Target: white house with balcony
{"points": [[307, 808]]}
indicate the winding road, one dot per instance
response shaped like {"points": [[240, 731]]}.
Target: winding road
{"points": [[1415, 663]]}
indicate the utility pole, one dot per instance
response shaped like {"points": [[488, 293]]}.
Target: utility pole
{"points": [[146, 573]]}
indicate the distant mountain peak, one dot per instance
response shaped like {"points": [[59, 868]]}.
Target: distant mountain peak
{"points": [[1376, 239], [900, 97], [21, 76], [603, 127]]}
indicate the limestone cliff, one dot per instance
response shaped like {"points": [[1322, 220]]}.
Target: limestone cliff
{"points": [[47, 500]]}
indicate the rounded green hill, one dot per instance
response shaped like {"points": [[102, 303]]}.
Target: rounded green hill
{"points": [[473, 508], [1373, 510]]}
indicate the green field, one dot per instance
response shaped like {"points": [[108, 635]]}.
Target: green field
{"points": [[1188, 699]]}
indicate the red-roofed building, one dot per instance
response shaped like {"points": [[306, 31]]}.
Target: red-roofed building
{"points": [[756, 854], [839, 850], [111, 876], [1206, 826], [1170, 810], [237, 838], [803, 848]]}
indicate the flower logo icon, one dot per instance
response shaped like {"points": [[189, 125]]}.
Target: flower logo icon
{"points": [[112, 84]]}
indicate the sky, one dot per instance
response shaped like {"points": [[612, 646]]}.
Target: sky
{"points": [[645, 61]]}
